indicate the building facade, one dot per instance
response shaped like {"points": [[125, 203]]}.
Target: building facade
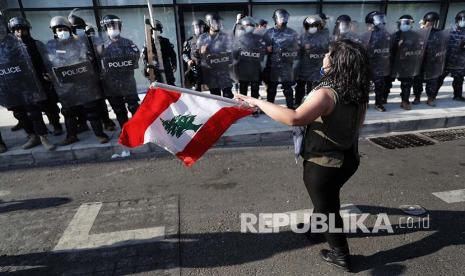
{"points": [[177, 15]]}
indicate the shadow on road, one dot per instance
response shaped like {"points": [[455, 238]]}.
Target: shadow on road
{"points": [[210, 250], [32, 204]]}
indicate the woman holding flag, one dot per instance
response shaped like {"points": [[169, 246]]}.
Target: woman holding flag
{"points": [[332, 114]]}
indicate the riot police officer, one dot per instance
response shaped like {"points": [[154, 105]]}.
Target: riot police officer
{"points": [[21, 28], [455, 61], [433, 61], [193, 73], [282, 47], [407, 55], [74, 78], [79, 26], [118, 57], [248, 53], [314, 44], [20, 88], [378, 43], [214, 50], [168, 54]]}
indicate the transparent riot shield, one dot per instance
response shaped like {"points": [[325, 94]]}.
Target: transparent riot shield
{"points": [[313, 48], [71, 65], [216, 59], [409, 53], [455, 52], [117, 60], [282, 59], [19, 84], [248, 53], [435, 54], [378, 44]]}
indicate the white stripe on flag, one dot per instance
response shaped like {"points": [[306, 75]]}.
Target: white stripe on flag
{"points": [[187, 104]]}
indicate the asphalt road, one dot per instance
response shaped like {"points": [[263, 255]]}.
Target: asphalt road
{"points": [[156, 217]]}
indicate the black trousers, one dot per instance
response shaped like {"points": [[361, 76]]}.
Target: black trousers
{"points": [[303, 88], [103, 111], [51, 109], [323, 185], [431, 87], [30, 118], [457, 83], [406, 88], [227, 92], [91, 112], [287, 90], [119, 107], [254, 88], [380, 89]]}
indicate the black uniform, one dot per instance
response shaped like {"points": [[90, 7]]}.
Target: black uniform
{"points": [[193, 74], [169, 59]]}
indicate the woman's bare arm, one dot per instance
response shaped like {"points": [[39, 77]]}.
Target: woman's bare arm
{"points": [[320, 104]]}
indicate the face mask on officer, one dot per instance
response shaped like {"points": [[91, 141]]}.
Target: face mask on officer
{"points": [[313, 30], [249, 29], [112, 33], [62, 35], [405, 27], [461, 23]]}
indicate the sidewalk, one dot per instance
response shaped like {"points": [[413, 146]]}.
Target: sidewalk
{"points": [[249, 131]]}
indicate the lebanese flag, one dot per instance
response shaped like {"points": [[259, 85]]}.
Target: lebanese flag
{"points": [[184, 124]]}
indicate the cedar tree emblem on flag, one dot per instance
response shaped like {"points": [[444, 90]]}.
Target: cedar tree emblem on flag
{"points": [[179, 124]]}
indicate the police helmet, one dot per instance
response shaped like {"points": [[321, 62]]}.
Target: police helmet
{"points": [[248, 21], [18, 23], [460, 16], [110, 19], [280, 13], [59, 21], [313, 21]]}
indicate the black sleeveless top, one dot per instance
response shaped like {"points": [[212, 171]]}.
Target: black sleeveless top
{"points": [[329, 137]]}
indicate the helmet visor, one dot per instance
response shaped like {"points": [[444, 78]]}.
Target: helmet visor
{"points": [[379, 20], [282, 18]]}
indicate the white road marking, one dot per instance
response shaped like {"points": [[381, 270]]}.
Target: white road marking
{"points": [[76, 235], [453, 196], [4, 192], [347, 210]]}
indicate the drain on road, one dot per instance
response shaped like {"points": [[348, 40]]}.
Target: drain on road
{"points": [[446, 135], [401, 141]]}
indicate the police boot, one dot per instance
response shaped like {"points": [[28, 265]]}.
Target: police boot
{"points": [[16, 127], [98, 131], [71, 139], [405, 106], [416, 100], [46, 143], [338, 257], [431, 102], [33, 141], [459, 98]]}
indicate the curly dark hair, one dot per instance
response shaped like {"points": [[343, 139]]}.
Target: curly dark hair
{"points": [[349, 73]]}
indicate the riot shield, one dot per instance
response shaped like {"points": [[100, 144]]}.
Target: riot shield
{"points": [[248, 53], [409, 53], [456, 54], [19, 84], [313, 48], [70, 63], [282, 60], [435, 54], [117, 59], [216, 60], [378, 44]]}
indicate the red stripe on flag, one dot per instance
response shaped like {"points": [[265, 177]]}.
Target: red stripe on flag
{"points": [[210, 132], [154, 103]]}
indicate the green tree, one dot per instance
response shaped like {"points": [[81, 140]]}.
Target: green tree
{"points": [[180, 124]]}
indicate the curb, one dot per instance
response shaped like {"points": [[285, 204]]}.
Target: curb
{"points": [[103, 152]]}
